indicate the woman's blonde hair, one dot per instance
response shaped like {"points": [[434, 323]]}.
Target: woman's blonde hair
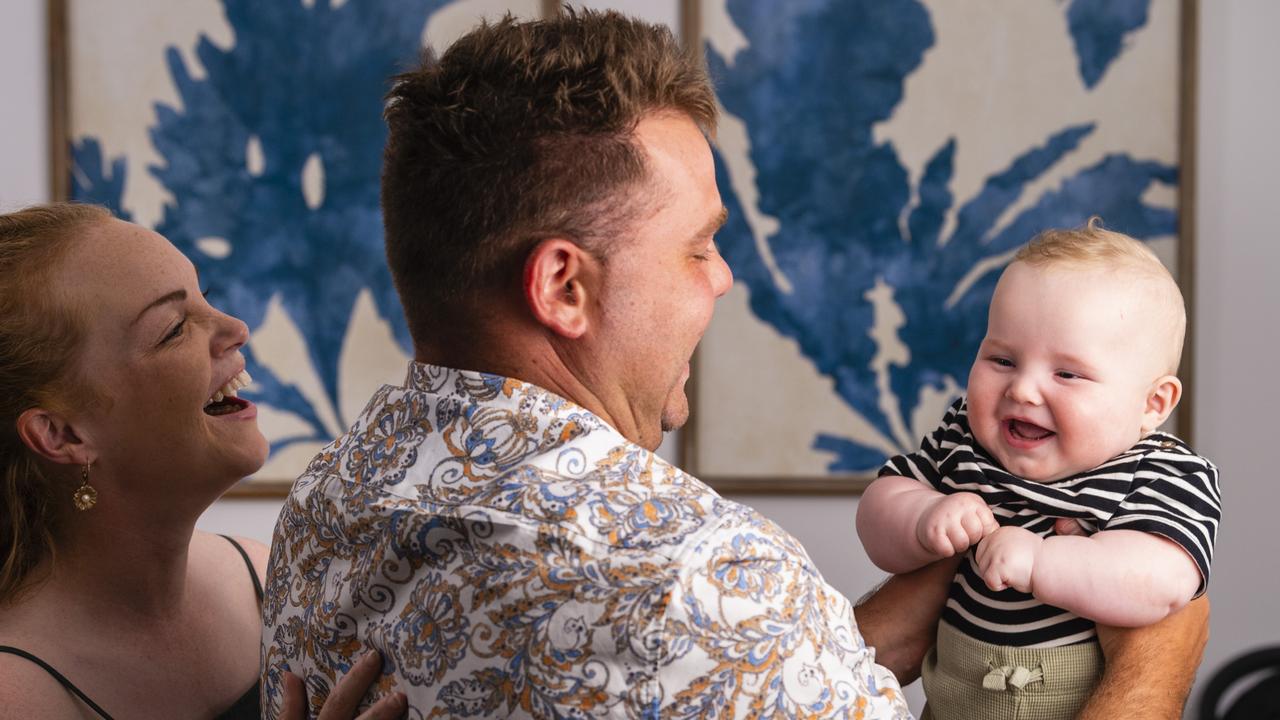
{"points": [[39, 338]]}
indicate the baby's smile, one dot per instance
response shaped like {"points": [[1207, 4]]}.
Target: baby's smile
{"points": [[1023, 434]]}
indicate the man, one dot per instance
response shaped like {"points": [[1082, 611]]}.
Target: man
{"points": [[499, 527]]}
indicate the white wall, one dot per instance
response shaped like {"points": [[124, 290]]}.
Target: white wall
{"points": [[1237, 298], [24, 165], [1237, 294]]}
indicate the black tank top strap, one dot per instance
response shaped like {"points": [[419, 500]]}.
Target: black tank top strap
{"points": [[253, 574], [5, 649], [247, 707]]}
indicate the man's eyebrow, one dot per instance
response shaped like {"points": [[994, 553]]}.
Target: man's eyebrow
{"points": [[717, 222], [174, 296]]}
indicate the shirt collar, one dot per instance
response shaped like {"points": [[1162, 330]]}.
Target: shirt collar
{"points": [[471, 386], [455, 384]]}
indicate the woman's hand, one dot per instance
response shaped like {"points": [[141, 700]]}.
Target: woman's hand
{"points": [[347, 693]]}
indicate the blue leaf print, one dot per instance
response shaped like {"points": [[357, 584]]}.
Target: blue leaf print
{"points": [[302, 83], [1098, 28], [814, 79]]}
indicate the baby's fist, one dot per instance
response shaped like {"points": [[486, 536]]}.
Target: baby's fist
{"points": [[1006, 558], [954, 523]]}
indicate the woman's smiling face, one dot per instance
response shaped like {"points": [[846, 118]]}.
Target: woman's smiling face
{"points": [[154, 354]]}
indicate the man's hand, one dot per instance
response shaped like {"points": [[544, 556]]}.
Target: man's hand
{"points": [[1007, 557], [954, 523], [345, 698], [1150, 669], [900, 618]]}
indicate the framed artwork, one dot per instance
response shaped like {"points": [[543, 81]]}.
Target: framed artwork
{"points": [[881, 161], [250, 134]]}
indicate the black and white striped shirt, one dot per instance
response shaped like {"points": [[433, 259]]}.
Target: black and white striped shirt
{"points": [[1158, 486]]}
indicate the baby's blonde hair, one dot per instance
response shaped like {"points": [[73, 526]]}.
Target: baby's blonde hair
{"points": [[1088, 245], [1094, 246]]}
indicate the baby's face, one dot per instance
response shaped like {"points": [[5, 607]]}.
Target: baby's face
{"points": [[1062, 378]]}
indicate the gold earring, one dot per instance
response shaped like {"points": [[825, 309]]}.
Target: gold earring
{"points": [[85, 496]]}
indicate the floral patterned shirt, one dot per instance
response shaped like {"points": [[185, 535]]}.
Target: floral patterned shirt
{"points": [[511, 554]]}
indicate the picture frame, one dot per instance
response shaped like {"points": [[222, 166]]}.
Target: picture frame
{"points": [[837, 150], [717, 429], [250, 135]]}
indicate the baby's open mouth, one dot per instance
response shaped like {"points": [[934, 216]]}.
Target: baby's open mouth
{"points": [[1027, 431], [224, 401]]}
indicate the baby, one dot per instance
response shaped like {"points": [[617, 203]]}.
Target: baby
{"points": [[1076, 372]]}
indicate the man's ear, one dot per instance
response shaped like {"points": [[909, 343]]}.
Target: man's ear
{"points": [[49, 435], [1161, 400], [559, 277]]}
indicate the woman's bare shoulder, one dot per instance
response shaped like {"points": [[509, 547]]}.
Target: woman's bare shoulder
{"points": [[29, 691], [222, 555]]}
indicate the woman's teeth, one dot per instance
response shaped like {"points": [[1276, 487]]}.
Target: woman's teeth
{"points": [[242, 379]]}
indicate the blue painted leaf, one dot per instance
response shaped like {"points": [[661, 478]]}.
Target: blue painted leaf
{"points": [[813, 80], [305, 85], [1099, 28], [850, 455], [816, 161], [92, 183]]}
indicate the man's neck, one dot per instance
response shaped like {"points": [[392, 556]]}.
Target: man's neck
{"points": [[538, 362]]}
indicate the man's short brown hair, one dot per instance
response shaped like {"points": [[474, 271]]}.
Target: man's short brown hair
{"points": [[519, 132]]}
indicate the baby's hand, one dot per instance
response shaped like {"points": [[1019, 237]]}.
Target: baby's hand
{"points": [[1006, 558], [954, 523]]}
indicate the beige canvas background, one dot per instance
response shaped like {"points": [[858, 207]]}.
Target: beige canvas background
{"points": [[1001, 78], [116, 76]]}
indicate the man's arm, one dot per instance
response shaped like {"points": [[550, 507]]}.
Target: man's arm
{"points": [[1150, 669], [774, 637], [900, 618]]}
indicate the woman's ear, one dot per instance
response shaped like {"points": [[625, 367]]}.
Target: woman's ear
{"points": [[49, 435], [559, 281], [1161, 400]]}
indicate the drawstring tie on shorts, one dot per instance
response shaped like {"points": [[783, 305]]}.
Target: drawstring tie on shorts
{"points": [[999, 679]]}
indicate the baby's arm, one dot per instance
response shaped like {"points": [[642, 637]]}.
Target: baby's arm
{"points": [[905, 525], [1124, 578]]}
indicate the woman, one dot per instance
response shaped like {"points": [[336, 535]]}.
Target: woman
{"points": [[119, 426]]}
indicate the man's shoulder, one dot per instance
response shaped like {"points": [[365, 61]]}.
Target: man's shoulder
{"points": [[612, 493], [516, 462], [518, 458]]}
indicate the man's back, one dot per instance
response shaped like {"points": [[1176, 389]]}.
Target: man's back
{"points": [[509, 553]]}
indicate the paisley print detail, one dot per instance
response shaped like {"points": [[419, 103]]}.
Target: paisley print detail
{"points": [[510, 554], [753, 580], [430, 636]]}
